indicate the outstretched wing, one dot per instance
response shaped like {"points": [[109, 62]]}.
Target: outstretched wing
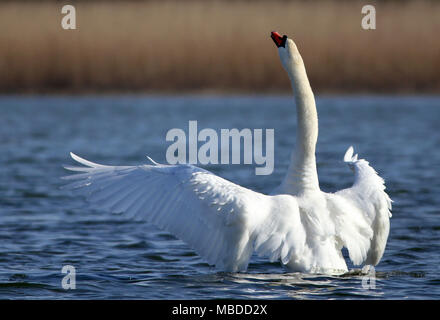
{"points": [[363, 213], [217, 218]]}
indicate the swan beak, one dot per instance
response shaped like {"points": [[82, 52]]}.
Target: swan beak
{"points": [[279, 40]]}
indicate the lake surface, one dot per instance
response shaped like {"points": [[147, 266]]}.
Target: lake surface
{"points": [[43, 228]]}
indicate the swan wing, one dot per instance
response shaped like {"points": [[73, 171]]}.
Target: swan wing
{"points": [[362, 213], [215, 217]]}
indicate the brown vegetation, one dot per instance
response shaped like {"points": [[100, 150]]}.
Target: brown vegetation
{"points": [[225, 46]]}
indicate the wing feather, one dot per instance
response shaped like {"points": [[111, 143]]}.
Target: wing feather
{"points": [[223, 222], [362, 213], [207, 212]]}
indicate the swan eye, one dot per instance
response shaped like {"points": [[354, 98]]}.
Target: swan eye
{"points": [[279, 40]]}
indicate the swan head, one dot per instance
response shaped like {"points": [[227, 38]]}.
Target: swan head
{"points": [[289, 54]]}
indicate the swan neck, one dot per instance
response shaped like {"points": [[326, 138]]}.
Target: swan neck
{"points": [[302, 174]]}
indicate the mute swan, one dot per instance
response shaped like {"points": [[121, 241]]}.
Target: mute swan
{"points": [[297, 224]]}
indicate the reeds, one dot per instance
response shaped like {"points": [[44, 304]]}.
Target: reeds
{"points": [[175, 46]]}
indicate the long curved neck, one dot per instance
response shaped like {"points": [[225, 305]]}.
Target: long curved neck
{"points": [[302, 175]]}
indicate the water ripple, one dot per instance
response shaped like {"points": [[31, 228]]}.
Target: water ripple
{"points": [[43, 228]]}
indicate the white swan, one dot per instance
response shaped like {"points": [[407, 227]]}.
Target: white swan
{"points": [[224, 223]]}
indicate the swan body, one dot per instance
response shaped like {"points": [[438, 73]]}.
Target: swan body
{"points": [[297, 223]]}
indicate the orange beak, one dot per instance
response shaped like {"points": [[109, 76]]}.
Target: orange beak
{"points": [[279, 40]]}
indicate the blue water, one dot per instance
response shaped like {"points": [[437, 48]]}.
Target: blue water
{"points": [[43, 228]]}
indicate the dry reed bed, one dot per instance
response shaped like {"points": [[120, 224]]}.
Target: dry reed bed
{"points": [[224, 46]]}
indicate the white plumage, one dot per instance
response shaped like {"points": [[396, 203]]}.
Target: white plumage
{"points": [[297, 224]]}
